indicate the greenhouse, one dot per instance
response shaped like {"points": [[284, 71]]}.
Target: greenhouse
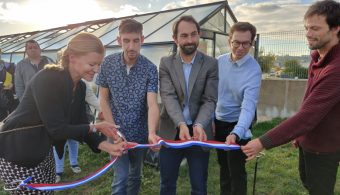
{"points": [[215, 20]]}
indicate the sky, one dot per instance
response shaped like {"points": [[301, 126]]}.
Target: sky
{"points": [[17, 16]]}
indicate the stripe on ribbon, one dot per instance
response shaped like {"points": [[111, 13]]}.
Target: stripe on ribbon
{"points": [[130, 145]]}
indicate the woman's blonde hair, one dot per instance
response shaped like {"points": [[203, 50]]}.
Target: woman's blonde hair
{"points": [[79, 45]]}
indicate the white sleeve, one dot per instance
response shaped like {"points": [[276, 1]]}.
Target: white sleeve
{"points": [[90, 97]]}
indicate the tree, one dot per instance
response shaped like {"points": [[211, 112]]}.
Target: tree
{"points": [[266, 61], [294, 69]]}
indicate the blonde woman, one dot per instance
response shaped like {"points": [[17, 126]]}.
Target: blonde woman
{"points": [[52, 110]]}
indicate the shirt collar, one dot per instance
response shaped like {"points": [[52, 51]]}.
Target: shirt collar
{"points": [[191, 62], [122, 60], [241, 61]]}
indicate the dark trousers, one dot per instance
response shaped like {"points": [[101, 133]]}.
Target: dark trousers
{"points": [[318, 171], [233, 175], [170, 160]]}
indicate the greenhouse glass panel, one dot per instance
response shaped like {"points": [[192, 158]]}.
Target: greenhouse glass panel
{"points": [[200, 13], [222, 45], [110, 51], [51, 54], [9, 42], [17, 57], [206, 46], [159, 20], [3, 40], [22, 43], [62, 37], [216, 22], [14, 43], [109, 38], [21, 47], [143, 18], [48, 37], [6, 57], [60, 44], [112, 35], [106, 28], [155, 52], [165, 33], [230, 22]]}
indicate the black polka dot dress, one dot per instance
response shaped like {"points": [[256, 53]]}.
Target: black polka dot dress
{"points": [[42, 173]]}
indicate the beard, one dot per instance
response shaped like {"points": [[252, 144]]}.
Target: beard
{"points": [[318, 45], [189, 48]]}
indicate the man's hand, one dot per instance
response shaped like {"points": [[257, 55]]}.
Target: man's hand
{"points": [[252, 148], [115, 149], [153, 139], [295, 143], [184, 132], [231, 139], [199, 133]]}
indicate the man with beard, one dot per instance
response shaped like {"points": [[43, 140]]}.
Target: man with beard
{"points": [[315, 127], [188, 89], [238, 91], [128, 98]]}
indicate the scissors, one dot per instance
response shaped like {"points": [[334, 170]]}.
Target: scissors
{"points": [[121, 135]]}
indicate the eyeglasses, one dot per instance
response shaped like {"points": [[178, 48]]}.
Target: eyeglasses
{"points": [[245, 45]]}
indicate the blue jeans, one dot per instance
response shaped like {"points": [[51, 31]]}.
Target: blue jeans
{"points": [[127, 172], [170, 160], [72, 153]]}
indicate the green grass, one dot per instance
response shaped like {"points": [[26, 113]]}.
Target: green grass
{"points": [[277, 173]]}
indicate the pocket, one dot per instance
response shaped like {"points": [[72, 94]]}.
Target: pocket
{"points": [[164, 113]]}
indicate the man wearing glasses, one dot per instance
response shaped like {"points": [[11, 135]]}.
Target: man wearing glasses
{"points": [[238, 91]]}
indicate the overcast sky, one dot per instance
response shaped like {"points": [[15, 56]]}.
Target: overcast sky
{"points": [[18, 16]]}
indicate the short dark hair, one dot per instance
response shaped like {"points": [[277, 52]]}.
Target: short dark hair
{"points": [[328, 8], [31, 41], [243, 27], [187, 18], [130, 25]]}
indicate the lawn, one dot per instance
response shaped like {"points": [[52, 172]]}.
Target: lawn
{"points": [[277, 173]]}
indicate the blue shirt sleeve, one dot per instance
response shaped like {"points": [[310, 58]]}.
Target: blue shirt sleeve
{"points": [[248, 106], [153, 79], [102, 77]]}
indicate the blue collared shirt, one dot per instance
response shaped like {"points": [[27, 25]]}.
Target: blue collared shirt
{"points": [[187, 70], [128, 93], [238, 92]]}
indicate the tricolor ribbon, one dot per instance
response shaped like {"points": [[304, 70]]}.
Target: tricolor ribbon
{"points": [[130, 145]]}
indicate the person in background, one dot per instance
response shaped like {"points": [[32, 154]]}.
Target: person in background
{"points": [[7, 100], [128, 97], [29, 66], [92, 101], [51, 111], [188, 89], [316, 126], [238, 92]]}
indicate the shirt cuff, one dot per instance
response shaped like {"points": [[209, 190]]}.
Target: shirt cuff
{"points": [[198, 124], [180, 123], [266, 142]]}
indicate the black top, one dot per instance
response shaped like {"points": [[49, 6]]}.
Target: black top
{"points": [[48, 100]]}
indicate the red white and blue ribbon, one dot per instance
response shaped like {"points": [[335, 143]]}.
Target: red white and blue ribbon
{"points": [[130, 145]]}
